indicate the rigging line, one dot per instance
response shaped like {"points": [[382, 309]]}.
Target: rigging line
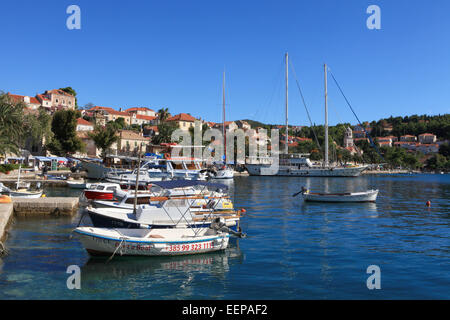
{"points": [[264, 110], [304, 103], [367, 134]]}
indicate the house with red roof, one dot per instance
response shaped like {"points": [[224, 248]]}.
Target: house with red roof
{"points": [[184, 121], [30, 102], [56, 99], [84, 125], [427, 138], [142, 111]]}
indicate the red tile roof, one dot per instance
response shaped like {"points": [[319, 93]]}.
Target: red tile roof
{"points": [[426, 134], [83, 122], [97, 108], [182, 117], [139, 109], [143, 117], [18, 98]]}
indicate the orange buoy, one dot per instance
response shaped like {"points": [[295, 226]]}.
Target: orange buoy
{"points": [[428, 203], [243, 210], [5, 199]]}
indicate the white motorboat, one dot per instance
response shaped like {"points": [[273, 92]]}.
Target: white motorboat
{"points": [[169, 209], [366, 196], [154, 242], [78, 184]]}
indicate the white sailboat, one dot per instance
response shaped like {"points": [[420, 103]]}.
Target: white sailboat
{"points": [[299, 165], [223, 172]]}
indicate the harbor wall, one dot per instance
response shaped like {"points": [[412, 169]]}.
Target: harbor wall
{"points": [[58, 206]]}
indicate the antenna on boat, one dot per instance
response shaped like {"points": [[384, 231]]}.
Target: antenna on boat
{"points": [[286, 148], [326, 117], [137, 179]]}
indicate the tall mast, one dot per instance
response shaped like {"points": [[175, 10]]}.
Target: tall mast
{"points": [[326, 118], [286, 148], [223, 120]]}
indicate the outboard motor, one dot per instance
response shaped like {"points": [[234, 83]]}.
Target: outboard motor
{"points": [[218, 224]]}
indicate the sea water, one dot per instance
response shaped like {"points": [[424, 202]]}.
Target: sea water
{"points": [[293, 250]]}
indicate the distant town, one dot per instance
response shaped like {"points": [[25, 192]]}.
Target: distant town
{"points": [[51, 124]]}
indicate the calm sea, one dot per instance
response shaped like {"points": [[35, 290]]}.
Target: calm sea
{"points": [[294, 250]]}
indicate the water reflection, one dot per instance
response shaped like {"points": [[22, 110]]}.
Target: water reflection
{"points": [[216, 264]]}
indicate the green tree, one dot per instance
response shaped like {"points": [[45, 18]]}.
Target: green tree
{"points": [[104, 138], [11, 128], [38, 127], [65, 140], [165, 133], [163, 114]]}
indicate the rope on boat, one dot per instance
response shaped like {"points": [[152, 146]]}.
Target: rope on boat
{"points": [[3, 250], [115, 251]]}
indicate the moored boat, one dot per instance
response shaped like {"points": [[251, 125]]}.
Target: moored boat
{"points": [[153, 242], [101, 191], [365, 196]]}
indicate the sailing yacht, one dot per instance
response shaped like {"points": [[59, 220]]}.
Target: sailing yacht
{"points": [[295, 165], [223, 172]]}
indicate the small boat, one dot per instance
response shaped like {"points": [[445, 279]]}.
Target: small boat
{"points": [[78, 184], [153, 242], [101, 191], [366, 196]]}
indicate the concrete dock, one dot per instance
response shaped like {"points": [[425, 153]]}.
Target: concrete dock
{"points": [[6, 213], [60, 206], [47, 207]]}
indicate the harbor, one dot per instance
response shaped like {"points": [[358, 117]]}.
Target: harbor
{"points": [[224, 159], [324, 249]]}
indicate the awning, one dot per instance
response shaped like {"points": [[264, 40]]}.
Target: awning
{"points": [[42, 158], [172, 184]]}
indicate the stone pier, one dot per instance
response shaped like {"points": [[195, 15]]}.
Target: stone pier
{"points": [[62, 206], [6, 213]]}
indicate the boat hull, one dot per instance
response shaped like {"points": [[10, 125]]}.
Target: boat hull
{"points": [[97, 243], [265, 170], [370, 196], [98, 195]]}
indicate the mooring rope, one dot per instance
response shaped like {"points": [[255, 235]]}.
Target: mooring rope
{"points": [[115, 251], [3, 250]]}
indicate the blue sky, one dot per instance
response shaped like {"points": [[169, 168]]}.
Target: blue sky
{"points": [[172, 54]]}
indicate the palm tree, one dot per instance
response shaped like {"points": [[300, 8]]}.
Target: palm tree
{"points": [[11, 128], [163, 114]]}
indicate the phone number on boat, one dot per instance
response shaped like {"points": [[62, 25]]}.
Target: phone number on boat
{"points": [[190, 247]]}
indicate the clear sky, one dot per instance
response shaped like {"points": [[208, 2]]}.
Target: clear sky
{"points": [[172, 54]]}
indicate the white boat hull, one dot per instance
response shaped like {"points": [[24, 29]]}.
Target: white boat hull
{"points": [[265, 170], [369, 196], [171, 242], [223, 174]]}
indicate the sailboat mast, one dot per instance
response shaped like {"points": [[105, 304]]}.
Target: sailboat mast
{"points": [[286, 148], [223, 120], [326, 118]]}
